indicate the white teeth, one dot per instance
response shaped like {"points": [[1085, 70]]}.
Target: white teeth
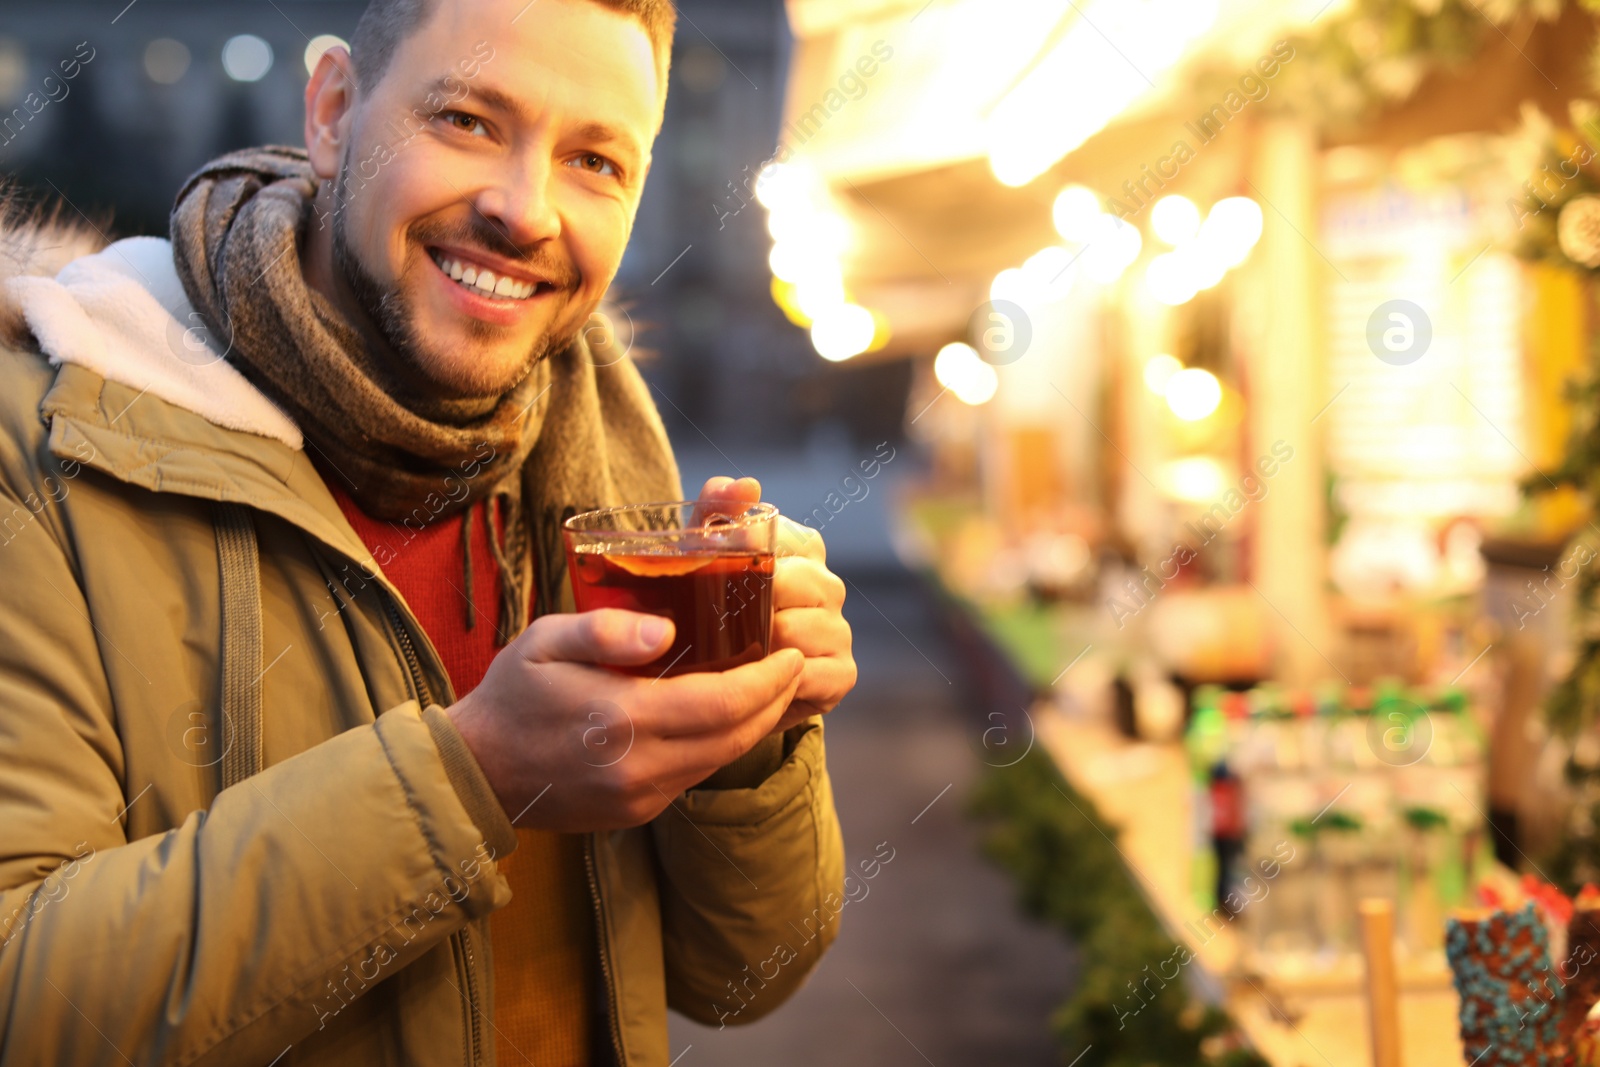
{"points": [[485, 281]]}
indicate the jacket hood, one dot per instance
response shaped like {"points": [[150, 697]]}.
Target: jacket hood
{"points": [[36, 242], [122, 313]]}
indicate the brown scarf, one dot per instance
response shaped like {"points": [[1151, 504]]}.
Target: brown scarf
{"points": [[580, 429]]}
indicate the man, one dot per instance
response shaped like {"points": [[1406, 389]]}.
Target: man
{"points": [[286, 775]]}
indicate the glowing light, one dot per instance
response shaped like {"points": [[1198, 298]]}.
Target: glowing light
{"points": [[843, 331], [810, 227], [1075, 212], [1029, 130], [246, 58], [960, 369], [166, 61], [1206, 267], [797, 263], [787, 225], [1193, 393], [1125, 237], [1050, 273], [1112, 247], [1232, 228], [1170, 278], [1195, 479], [787, 185], [783, 294], [1012, 284], [1175, 219], [320, 44], [1158, 371], [819, 293]]}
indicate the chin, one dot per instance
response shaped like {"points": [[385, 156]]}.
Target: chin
{"points": [[470, 358], [468, 370]]}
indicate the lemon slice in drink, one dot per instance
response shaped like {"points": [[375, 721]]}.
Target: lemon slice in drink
{"points": [[660, 566]]}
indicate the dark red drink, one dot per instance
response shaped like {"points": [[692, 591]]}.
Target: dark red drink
{"points": [[721, 602]]}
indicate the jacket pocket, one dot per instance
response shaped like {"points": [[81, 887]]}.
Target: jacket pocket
{"points": [[752, 807]]}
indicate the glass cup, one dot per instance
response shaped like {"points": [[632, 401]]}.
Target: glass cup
{"points": [[706, 565]]}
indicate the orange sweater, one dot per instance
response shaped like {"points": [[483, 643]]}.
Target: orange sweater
{"points": [[544, 941]]}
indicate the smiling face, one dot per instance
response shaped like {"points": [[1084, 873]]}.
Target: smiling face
{"points": [[484, 187]]}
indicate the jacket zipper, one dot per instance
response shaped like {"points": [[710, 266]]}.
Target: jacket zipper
{"points": [[605, 948], [465, 934], [424, 694], [419, 681]]}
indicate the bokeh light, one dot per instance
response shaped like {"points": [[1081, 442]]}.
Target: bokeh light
{"points": [[1175, 219], [960, 369], [246, 58], [1193, 393], [843, 331], [166, 61]]}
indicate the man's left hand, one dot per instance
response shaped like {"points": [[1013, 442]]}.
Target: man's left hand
{"points": [[807, 609]]}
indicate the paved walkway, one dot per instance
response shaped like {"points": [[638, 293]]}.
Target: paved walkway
{"points": [[934, 965]]}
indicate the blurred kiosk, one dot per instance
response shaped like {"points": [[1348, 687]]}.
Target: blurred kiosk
{"points": [[1213, 398]]}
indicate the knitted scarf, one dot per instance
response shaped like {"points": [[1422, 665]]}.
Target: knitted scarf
{"points": [[578, 432]]}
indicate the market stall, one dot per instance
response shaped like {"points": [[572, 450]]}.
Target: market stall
{"points": [[1243, 337]]}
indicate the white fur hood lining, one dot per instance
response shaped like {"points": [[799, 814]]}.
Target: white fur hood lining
{"points": [[122, 313]]}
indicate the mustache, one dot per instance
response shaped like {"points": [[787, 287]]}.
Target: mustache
{"points": [[543, 258]]}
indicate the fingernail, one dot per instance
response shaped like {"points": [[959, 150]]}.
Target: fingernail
{"points": [[651, 631]]}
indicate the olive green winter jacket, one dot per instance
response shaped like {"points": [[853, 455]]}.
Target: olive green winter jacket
{"points": [[161, 900]]}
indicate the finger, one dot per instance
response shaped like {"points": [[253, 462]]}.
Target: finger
{"points": [[814, 631], [796, 713], [805, 583], [795, 539], [607, 636], [713, 701], [690, 758], [826, 680], [723, 488], [725, 496]]}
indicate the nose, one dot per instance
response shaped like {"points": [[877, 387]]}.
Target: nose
{"points": [[519, 205]]}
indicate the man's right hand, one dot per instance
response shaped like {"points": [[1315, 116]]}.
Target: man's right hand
{"points": [[572, 746]]}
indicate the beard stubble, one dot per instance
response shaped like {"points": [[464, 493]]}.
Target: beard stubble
{"points": [[390, 312]]}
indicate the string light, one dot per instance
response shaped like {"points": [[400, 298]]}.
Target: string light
{"points": [[842, 331], [1175, 219], [960, 369], [1158, 371], [1074, 213], [1193, 393], [810, 238]]}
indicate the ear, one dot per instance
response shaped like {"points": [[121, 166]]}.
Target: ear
{"points": [[330, 106]]}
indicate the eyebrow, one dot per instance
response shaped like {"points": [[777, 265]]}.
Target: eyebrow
{"points": [[598, 132]]}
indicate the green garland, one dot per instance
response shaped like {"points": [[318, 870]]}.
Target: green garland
{"points": [[1374, 53], [1573, 708], [1070, 875]]}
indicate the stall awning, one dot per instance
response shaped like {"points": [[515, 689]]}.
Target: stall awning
{"points": [[879, 88], [928, 121]]}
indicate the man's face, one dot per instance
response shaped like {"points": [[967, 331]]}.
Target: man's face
{"points": [[506, 140]]}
